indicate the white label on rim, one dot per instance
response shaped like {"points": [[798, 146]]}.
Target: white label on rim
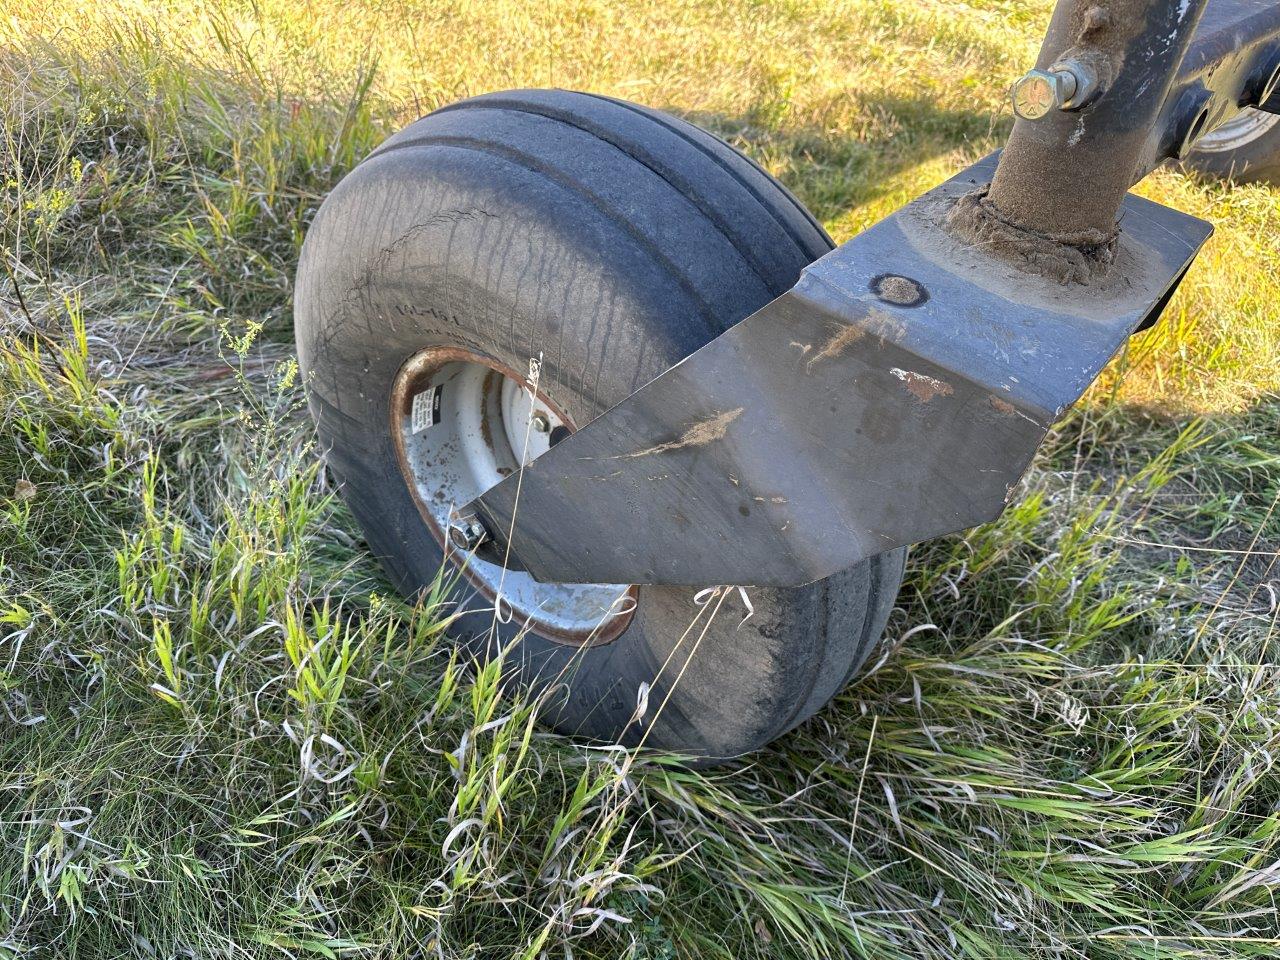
{"points": [[426, 410]]}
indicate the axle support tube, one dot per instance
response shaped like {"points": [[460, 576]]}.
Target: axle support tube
{"points": [[896, 393], [1065, 174], [1162, 74], [899, 390]]}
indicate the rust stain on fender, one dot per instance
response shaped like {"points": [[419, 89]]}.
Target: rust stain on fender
{"points": [[1004, 407], [923, 388]]}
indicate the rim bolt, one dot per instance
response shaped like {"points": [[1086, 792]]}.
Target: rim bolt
{"points": [[466, 533], [541, 423]]}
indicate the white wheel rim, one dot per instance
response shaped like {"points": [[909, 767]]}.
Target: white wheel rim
{"points": [[1237, 132], [457, 420]]}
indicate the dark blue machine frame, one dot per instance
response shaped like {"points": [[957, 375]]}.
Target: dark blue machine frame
{"points": [[900, 389]]}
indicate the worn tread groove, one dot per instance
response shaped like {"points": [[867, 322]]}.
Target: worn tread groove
{"points": [[692, 141], [629, 148], [731, 236], [534, 166]]}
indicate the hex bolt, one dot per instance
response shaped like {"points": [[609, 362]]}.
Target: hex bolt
{"points": [[540, 423], [1064, 86], [466, 533]]}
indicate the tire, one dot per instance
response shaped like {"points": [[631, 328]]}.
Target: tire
{"points": [[1246, 150], [613, 241]]}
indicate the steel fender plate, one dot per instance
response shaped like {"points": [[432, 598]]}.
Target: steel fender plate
{"points": [[896, 393]]}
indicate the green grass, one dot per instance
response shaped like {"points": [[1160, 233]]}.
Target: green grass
{"points": [[221, 736]]}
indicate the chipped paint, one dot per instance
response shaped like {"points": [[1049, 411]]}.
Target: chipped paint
{"points": [[699, 435], [1078, 133], [886, 326], [923, 388]]}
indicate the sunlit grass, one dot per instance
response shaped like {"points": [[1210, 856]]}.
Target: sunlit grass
{"points": [[222, 736]]}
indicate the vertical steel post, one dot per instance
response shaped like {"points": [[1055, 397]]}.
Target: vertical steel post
{"points": [[1065, 174]]}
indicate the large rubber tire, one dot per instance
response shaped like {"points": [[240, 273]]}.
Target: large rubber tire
{"points": [[614, 240], [1250, 154]]}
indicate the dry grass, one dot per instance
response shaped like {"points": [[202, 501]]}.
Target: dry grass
{"points": [[220, 737]]}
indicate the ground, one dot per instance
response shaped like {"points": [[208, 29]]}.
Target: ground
{"points": [[223, 736]]}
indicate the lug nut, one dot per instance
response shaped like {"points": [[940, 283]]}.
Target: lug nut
{"points": [[540, 423], [466, 533], [1064, 86]]}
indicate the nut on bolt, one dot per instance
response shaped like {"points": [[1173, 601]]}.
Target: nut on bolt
{"points": [[1064, 86], [466, 533]]}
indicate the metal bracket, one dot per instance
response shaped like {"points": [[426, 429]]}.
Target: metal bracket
{"points": [[898, 392]]}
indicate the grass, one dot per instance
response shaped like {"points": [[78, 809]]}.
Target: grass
{"points": [[220, 736]]}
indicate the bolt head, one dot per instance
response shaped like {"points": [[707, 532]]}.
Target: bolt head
{"points": [[1038, 93], [541, 423]]}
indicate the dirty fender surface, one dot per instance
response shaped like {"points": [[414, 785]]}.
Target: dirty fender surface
{"points": [[897, 393]]}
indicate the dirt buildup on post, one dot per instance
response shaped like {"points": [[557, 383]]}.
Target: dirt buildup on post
{"points": [[1074, 258]]}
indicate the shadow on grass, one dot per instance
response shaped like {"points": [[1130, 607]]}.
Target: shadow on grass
{"points": [[832, 173]]}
